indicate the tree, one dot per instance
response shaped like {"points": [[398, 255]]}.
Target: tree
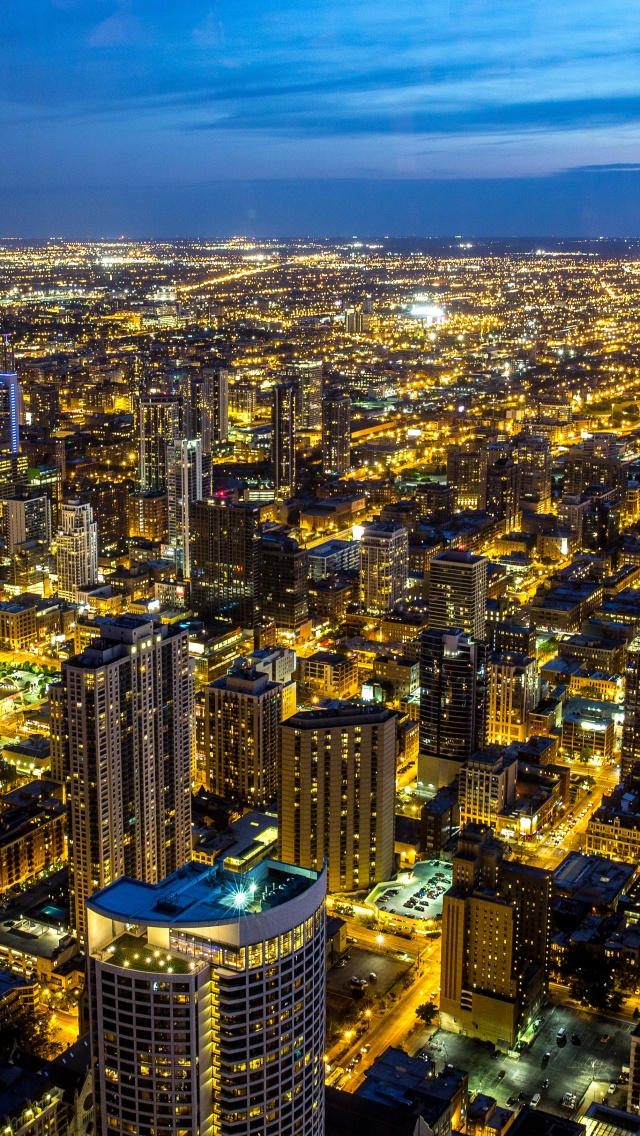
{"points": [[427, 1013]]}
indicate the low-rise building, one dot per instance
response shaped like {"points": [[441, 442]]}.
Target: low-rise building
{"points": [[593, 880], [327, 674], [614, 828], [32, 837]]}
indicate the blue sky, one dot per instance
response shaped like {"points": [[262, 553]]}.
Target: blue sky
{"points": [[127, 97]]}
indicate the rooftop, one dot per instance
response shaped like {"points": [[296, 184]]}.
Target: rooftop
{"points": [[200, 895]]}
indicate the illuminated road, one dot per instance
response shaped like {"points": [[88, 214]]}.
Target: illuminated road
{"points": [[228, 277], [548, 855], [397, 1026]]}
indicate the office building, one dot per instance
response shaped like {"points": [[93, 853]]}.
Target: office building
{"points": [[283, 440], [242, 715], [458, 591], [284, 582], [336, 793], [25, 517], [121, 745], [184, 488], [453, 696], [77, 549], [630, 757], [513, 693], [328, 674], [384, 566], [487, 788], [495, 942], [467, 477], [225, 561], [336, 433], [502, 492], [159, 425], [10, 407], [223, 979], [307, 377]]}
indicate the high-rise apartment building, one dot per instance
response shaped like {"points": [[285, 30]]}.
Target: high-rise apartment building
{"points": [[513, 693], [121, 745], [495, 942], [26, 516], [487, 788], [533, 458], [336, 793], [336, 433], [242, 716], [384, 565], [77, 548], [467, 476], [453, 697], [283, 440], [630, 757], [307, 376], [207, 1003], [225, 561], [284, 582], [184, 488], [458, 591], [148, 515], [159, 423]]}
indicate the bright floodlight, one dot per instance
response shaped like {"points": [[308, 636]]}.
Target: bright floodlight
{"points": [[240, 898]]}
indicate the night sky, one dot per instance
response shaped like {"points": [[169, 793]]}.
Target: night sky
{"points": [[159, 117]]}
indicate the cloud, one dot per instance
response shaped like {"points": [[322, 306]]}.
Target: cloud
{"points": [[121, 29]]}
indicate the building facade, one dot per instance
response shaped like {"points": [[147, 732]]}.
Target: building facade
{"points": [[225, 561], [384, 566], [77, 549], [121, 746], [242, 716], [458, 591], [453, 704], [336, 793]]}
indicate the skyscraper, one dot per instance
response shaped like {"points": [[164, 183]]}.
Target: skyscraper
{"points": [[496, 922], [214, 425], [159, 418], [209, 1016], [284, 583], [336, 792], [513, 693], [242, 715], [77, 548], [502, 492], [120, 744], [336, 433], [307, 376], [283, 440], [453, 696], [458, 591], [10, 399], [384, 565], [630, 757], [225, 561], [184, 488]]}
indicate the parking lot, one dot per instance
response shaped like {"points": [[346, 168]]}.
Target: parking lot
{"points": [[582, 1069], [360, 964], [401, 896]]}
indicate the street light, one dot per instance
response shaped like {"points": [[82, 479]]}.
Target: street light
{"points": [[379, 939]]}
